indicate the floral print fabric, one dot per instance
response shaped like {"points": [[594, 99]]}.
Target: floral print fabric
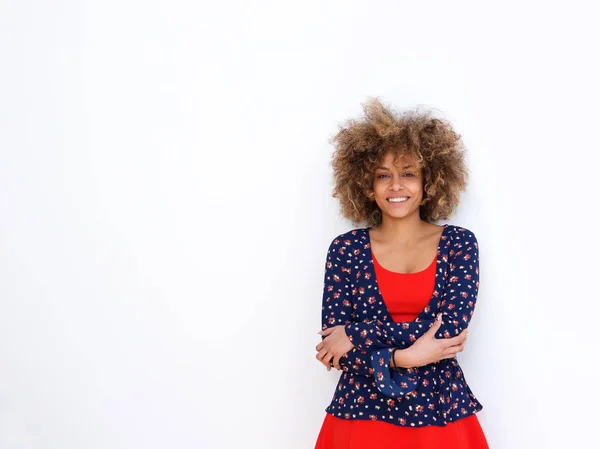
{"points": [[433, 394]]}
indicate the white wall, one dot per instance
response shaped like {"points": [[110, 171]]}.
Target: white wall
{"points": [[165, 164]]}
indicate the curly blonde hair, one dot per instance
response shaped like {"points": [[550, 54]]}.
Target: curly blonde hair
{"points": [[360, 146]]}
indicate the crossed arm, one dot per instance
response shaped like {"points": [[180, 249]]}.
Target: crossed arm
{"points": [[337, 311], [356, 343]]}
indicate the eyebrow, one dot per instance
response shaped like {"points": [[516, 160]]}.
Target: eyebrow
{"points": [[386, 168]]}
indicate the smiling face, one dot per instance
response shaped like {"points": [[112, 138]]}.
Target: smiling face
{"points": [[398, 186]]}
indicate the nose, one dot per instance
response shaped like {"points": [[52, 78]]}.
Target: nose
{"points": [[396, 183]]}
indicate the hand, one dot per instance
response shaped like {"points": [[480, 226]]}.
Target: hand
{"points": [[428, 349], [334, 346]]}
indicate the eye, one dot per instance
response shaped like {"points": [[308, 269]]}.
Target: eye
{"points": [[382, 175], [408, 174]]}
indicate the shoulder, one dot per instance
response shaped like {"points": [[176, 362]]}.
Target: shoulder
{"points": [[461, 236], [349, 239]]}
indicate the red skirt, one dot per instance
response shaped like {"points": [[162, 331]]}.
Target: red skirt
{"points": [[338, 433]]}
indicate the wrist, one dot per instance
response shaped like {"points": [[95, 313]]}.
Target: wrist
{"points": [[403, 358]]}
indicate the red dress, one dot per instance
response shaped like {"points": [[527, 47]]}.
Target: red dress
{"points": [[405, 295]]}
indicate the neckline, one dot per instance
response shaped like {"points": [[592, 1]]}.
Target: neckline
{"points": [[439, 258], [398, 273]]}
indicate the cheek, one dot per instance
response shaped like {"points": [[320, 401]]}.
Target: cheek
{"points": [[417, 186], [379, 190], [381, 184]]}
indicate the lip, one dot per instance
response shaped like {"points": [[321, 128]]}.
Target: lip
{"points": [[400, 203]]}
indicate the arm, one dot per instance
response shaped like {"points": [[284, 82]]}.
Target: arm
{"points": [[457, 303], [337, 303], [337, 310]]}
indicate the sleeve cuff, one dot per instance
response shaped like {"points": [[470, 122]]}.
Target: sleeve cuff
{"points": [[392, 383]]}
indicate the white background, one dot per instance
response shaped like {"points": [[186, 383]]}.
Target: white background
{"points": [[165, 211]]}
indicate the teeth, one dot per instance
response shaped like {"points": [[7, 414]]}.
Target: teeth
{"points": [[397, 200]]}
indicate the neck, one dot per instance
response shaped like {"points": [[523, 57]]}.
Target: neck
{"points": [[403, 230]]}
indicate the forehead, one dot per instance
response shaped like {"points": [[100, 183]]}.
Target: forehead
{"points": [[399, 160]]}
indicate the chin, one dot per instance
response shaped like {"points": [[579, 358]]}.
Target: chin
{"points": [[400, 214]]}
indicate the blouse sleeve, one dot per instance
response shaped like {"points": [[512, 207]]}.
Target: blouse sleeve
{"points": [[337, 309], [457, 303], [337, 303]]}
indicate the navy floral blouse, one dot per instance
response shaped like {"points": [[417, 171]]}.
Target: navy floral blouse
{"points": [[368, 388]]}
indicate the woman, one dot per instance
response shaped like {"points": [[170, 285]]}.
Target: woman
{"points": [[399, 293]]}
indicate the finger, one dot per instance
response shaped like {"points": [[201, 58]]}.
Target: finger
{"points": [[450, 342], [459, 339], [336, 363], [459, 348], [454, 343], [453, 350], [449, 356], [320, 346], [326, 362], [321, 355], [326, 358], [327, 331], [435, 326]]}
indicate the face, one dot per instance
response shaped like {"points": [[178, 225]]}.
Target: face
{"points": [[398, 187]]}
